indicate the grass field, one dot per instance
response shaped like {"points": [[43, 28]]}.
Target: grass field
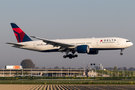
{"points": [[67, 81], [64, 87]]}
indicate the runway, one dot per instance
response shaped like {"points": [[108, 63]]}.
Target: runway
{"points": [[65, 87]]}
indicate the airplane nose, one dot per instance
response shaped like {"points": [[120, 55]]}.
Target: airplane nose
{"points": [[131, 44]]}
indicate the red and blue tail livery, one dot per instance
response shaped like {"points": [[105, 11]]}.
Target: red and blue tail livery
{"points": [[20, 35]]}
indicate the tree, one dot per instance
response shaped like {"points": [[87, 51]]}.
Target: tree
{"points": [[62, 67], [109, 68], [80, 67], [124, 68], [115, 68], [43, 67], [56, 67], [37, 67], [27, 63], [131, 69], [120, 68]]}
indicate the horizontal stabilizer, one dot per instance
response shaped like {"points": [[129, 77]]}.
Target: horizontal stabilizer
{"points": [[15, 44]]}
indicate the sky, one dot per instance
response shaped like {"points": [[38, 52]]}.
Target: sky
{"points": [[66, 19]]}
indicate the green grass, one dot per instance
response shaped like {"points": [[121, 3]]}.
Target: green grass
{"points": [[96, 78], [68, 81], [116, 73]]}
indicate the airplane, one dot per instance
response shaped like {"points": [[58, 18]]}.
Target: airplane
{"points": [[90, 46]]}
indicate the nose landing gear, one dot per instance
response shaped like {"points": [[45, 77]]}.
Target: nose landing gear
{"points": [[121, 53]]}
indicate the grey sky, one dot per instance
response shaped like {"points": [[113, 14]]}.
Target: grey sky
{"points": [[60, 19]]}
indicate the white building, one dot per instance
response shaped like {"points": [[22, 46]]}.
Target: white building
{"points": [[101, 66], [92, 74]]}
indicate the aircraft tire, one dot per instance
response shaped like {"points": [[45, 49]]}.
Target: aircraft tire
{"points": [[70, 56], [121, 53], [76, 55], [64, 56]]}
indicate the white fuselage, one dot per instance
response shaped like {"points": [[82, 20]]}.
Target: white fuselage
{"points": [[108, 43]]}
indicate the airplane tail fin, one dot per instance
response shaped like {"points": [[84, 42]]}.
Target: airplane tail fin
{"points": [[20, 35]]}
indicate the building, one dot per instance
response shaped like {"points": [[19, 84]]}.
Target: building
{"points": [[42, 72], [92, 74]]}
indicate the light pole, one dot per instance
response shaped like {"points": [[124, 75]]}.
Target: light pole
{"points": [[68, 71], [10, 72], [31, 72], [47, 72], [84, 69], [22, 72], [3, 72], [61, 72]]}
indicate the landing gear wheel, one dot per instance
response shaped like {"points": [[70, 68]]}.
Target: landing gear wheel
{"points": [[70, 56], [75, 55], [121, 53], [64, 56]]}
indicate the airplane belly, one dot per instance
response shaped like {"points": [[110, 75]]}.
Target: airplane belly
{"points": [[36, 47]]}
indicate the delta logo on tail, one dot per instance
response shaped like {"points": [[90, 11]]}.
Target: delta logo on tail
{"points": [[20, 35]]}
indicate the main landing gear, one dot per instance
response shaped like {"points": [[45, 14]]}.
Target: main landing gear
{"points": [[70, 56]]}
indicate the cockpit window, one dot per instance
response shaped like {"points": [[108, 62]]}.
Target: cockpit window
{"points": [[127, 41]]}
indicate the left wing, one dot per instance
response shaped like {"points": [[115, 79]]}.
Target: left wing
{"points": [[55, 44]]}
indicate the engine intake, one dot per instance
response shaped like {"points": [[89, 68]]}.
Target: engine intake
{"points": [[82, 49]]}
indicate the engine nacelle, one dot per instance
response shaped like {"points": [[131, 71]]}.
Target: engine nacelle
{"points": [[93, 52], [83, 49]]}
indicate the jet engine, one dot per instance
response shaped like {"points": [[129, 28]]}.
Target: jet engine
{"points": [[93, 52], [82, 49]]}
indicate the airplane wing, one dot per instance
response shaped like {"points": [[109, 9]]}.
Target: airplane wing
{"points": [[15, 44], [54, 43]]}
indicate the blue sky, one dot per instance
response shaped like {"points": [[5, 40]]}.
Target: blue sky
{"points": [[61, 19]]}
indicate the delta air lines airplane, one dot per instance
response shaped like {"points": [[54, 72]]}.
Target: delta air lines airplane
{"points": [[69, 46]]}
